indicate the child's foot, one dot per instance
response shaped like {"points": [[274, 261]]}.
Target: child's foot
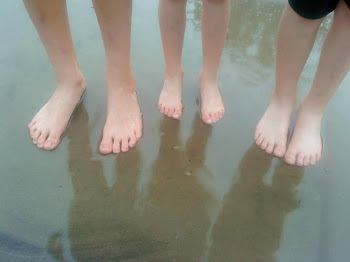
{"points": [[271, 133], [123, 126], [51, 121], [212, 108], [170, 98], [305, 146]]}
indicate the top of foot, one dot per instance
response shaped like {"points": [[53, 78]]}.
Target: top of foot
{"points": [[212, 106], [51, 121], [305, 147], [123, 127], [170, 102], [271, 133]]}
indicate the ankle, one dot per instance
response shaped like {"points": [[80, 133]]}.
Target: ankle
{"points": [[120, 81], [312, 107], [285, 98], [207, 80], [174, 74], [73, 82]]}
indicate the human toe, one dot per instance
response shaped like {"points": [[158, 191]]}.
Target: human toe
{"points": [[300, 159], [106, 144], [52, 141], [125, 144], [270, 147], [116, 145], [171, 112], [132, 140], [206, 118], [264, 144], [31, 124], [279, 150], [42, 139], [32, 130], [177, 114], [215, 117], [307, 160], [259, 140], [313, 160], [36, 136], [290, 158]]}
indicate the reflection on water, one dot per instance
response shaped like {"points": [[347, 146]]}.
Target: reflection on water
{"points": [[102, 225], [182, 219], [252, 30], [250, 225]]}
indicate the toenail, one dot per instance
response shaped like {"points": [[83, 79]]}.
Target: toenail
{"points": [[49, 144]]}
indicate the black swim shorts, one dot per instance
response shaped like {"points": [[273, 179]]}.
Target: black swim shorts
{"points": [[314, 9]]}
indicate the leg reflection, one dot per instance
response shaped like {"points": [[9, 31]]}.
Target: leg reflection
{"points": [[102, 224], [177, 201], [250, 225]]}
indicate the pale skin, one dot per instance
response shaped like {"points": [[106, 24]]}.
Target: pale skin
{"points": [[295, 40], [172, 20], [51, 21], [123, 127]]}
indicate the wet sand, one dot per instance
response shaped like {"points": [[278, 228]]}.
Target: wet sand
{"points": [[187, 191]]}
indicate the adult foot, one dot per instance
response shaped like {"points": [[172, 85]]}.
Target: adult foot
{"points": [[170, 98], [51, 121], [271, 133], [212, 108], [305, 146], [123, 127]]}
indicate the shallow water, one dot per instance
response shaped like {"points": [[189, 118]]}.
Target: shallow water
{"points": [[188, 191]]}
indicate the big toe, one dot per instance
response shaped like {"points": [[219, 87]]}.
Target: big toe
{"points": [[177, 114], [206, 118], [290, 158], [106, 145], [52, 141], [279, 150], [313, 160], [132, 140], [138, 130]]}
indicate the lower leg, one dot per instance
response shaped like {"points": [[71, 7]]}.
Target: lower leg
{"points": [[172, 21], [123, 127], [51, 21], [306, 145], [296, 36], [215, 20]]}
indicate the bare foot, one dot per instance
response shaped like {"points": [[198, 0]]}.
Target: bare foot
{"points": [[212, 108], [51, 121], [123, 126], [305, 146], [271, 133], [170, 98]]}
